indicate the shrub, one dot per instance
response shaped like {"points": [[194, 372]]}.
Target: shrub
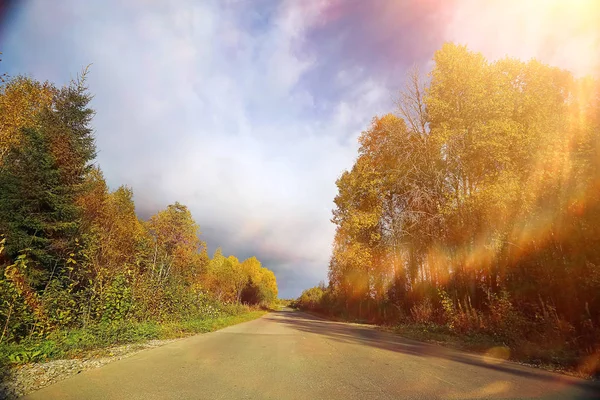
{"points": [[422, 313], [310, 299], [461, 317], [117, 301], [502, 320], [59, 304]]}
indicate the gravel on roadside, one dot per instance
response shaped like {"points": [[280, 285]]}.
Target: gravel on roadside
{"points": [[20, 380]]}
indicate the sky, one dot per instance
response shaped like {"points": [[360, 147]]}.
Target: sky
{"points": [[248, 111]]}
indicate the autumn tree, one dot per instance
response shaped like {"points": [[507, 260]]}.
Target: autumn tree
{"points": [[21, 102], [74, 253], [177, 249], [475, 200], [247, 282]]}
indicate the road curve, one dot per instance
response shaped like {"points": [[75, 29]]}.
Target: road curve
{"points": [[293, 355]]}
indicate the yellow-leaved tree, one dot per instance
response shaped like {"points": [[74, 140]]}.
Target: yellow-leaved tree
{"points": [[21, 101], [177, 249]]}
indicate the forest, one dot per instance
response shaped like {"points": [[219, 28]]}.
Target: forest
{"points": [[74, 255], [474, 209]]}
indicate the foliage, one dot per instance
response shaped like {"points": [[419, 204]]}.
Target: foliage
{"points": [[21, 101], [41, 176], [476, 207], [75, 342], [78, 268], [422, 313], [178, 250], [311, 299], [248, 282]]}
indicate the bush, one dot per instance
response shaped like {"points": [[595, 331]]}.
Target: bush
{"points": [[502, 320], [59, 304], [422, 313], [461, 317], [15, 317], [311, 299], [117, 300], [232, 309]]}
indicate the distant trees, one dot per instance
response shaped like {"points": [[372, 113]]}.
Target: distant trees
{"points": [[73, 252], [248, 282], [480, 195], [313, 299]]}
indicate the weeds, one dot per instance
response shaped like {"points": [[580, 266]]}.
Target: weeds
{"points": [[77, 342]]}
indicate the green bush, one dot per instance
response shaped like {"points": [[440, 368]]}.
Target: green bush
{"points": [[60, 304], [117, 300]]}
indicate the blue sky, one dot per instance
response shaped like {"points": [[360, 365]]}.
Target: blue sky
{"points": [[248, 111]]}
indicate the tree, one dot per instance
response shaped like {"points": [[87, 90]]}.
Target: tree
{"points": [[478, 195], [73, 252], [21, 102], [177, 249], [311, 299], [116, 242], [38, 209]]}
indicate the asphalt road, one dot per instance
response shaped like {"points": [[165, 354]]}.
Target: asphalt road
{"points": [[293, 355]]}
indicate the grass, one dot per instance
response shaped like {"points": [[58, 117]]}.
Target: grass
{"points": [[544, 355], [552, 358], [432, 333], [75, 343]]}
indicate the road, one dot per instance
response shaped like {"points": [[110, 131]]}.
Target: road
{"points": [[293, 355]]}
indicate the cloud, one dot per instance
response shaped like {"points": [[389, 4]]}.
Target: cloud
{"points": [[204, 103], [247, 112], [561, 33]]}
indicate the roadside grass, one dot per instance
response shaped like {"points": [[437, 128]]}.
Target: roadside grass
{"points": [[94, 339], [555, 358], [439, 334]]}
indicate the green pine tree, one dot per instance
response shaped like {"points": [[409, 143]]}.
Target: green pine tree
{"points": [[41, 180]]}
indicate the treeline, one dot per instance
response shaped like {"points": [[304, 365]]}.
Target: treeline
{"points": [[476, 207], [74, 253]]}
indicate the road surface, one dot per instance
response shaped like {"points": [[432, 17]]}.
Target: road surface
{"points": [[293, 355]]}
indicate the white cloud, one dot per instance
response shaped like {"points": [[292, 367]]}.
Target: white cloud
{"points": [[557, 32], [195, 106], [237, 111]]}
